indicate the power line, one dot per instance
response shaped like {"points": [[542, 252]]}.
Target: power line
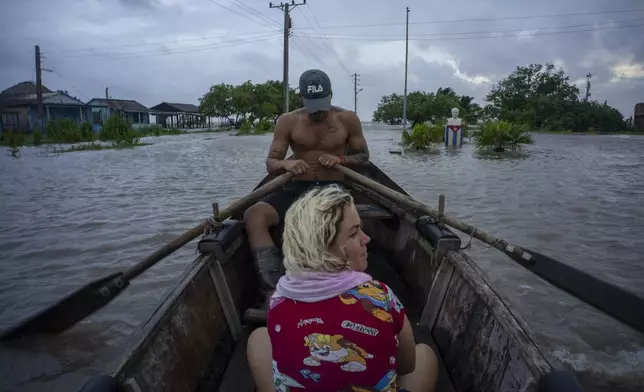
{"points": [[174, 41], [349, 38], [63, 79], [321, 48], [594, 25], [255, 12], [332, 51], [262, 23], [487, 19], [179, 50], [303, 48], [272, 29]]}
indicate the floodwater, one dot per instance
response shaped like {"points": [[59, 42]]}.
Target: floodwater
{"points": [[68, 218]]}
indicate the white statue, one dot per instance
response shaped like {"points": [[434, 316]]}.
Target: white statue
{"points": [[454, 130]]}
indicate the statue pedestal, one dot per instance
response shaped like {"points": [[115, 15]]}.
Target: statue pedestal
{"points": [[454, 132]]}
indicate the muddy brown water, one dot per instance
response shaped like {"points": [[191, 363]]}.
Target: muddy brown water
{"points": [[68, 218]]}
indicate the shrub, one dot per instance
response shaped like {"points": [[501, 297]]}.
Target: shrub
{"points": [[264, 126], [500, 136], [118, 130], [37, 137], [245, 128], [423, 136], [64, 131], [14, 140]]}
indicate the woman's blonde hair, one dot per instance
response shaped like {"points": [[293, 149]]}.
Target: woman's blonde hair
{"points": [[311, 226]]}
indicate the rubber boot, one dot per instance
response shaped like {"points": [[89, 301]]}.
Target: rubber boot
{"points": [[270, 269]]}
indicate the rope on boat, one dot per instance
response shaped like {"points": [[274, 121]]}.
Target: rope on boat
{"points": [[212, 226]]}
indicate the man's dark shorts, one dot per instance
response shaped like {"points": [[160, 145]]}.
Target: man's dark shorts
{"points": [[282, 199]]}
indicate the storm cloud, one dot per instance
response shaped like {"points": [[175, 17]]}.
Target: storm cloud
{"points": [[173, 50]]}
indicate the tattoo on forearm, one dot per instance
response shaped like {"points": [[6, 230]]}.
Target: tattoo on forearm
{"points": [[357, 155], [276, 154], [274, 157]]}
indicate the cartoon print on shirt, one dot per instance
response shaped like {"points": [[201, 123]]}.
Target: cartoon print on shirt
{"points": [[306, 373], [373, 299], [386, 384], [283, 383], [394, 301], [335, 349]]}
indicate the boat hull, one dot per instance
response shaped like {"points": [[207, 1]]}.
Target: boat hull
{"points": [[195, 340]]}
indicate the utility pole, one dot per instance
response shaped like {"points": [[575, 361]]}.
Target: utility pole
{"points": [[286, 7], [406, 63], [355, 93], [588, 86], [41, 108]]}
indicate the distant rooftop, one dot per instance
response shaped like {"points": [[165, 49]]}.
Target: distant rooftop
{"points": [[171, 107], [127, 105]]}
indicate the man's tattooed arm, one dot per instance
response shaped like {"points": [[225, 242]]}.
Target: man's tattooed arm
{"points": [[279, 147], [275, 159], [357, 150]]}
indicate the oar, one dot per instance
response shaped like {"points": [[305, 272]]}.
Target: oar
{"points": [[610, 299], [93, 296]]}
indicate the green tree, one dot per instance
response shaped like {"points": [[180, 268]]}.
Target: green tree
{"points": [[265, 100], [423, 107], [243, 100], [217, 102], [389, 110], [544, 98]]}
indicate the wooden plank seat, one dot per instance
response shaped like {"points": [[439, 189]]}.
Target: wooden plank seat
{"points": [[373, 211]]}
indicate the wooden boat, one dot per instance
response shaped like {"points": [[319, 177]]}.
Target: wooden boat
{"points": [[196, 338]]}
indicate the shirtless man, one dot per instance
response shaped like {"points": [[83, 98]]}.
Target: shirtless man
{"points": [[319, 135]]}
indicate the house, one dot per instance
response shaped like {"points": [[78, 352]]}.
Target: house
{"points": [[101, 109], [19, 107], [180, 115], [638, 117]]}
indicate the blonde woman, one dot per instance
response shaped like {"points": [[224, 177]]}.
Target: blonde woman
{"points": [[330, 326]]}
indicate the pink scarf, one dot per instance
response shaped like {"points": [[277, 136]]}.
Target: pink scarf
{"points": [[317, 286]]}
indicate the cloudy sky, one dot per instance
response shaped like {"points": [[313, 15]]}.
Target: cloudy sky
{"points": [[173, 50]]}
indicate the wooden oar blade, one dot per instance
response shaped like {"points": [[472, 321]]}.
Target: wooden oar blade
{"points": [[609, 298], [69, 310]]}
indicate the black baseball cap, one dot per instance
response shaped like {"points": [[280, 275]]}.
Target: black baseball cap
{"points": [[315, 89]]}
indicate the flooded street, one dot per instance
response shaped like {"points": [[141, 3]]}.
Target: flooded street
{"points": [[66, 219]]}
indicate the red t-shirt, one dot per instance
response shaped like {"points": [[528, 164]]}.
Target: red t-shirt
{"points": [[344, 343]]}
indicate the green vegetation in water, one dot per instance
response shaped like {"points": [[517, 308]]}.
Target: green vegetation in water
{"points": [[96, 146], [117, 132], [262, 127], [423, 136], [156, 130], [501, 136], [538, 95], [13, 140], [247, 103], [543, 98]]}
